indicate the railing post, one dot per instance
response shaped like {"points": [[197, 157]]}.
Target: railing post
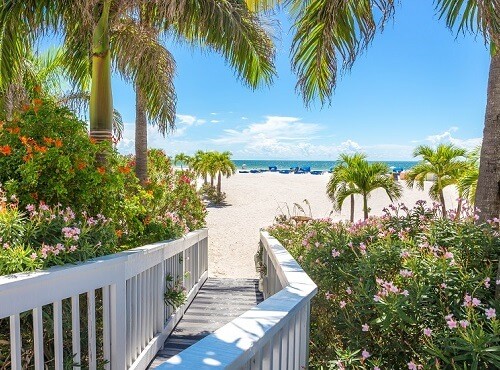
{"points": [[118, 300]]}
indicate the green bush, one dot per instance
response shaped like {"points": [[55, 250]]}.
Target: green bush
{"points": [[408, 290], [47, 156]]}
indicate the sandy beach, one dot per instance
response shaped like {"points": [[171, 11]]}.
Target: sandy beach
{"points": [[254, 200]]}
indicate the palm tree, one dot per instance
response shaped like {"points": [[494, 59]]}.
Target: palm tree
{"points": [[355, 175], [326, 31], [200, 164], [444, 163], [467, 183], [222, 165], [126, 31], [182, 158]]}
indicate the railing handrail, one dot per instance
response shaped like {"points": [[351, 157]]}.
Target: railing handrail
{"points": [[91, 274], [236, 343]]}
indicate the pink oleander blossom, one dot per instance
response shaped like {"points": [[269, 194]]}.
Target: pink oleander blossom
{"points": [[365, 327], [427, 332], [365, 354], [342, 304], [491, 313]]}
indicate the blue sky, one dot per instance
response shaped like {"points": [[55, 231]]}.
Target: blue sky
{"points": [[416, 84]]}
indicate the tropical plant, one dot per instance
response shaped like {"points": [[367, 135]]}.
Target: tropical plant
{"points": [[355, 175], [200, 164], [326, 31], [182, 158], [223, 166], [444, 163], [408, 290], [467, 183]]}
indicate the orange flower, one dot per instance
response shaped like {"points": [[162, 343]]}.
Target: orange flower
{"points": [[48, 140], [41, 149], [81, 165], [37, 89], [119, 233], [58, 143], [24, 140], [14, 130], [26, 107], [124, 169], [92, 140], [27, 157], [37, 102], [101, 170], [5, 150]]}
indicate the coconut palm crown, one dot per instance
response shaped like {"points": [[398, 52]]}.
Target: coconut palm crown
{"points": [[355, 175], [445, 162]]}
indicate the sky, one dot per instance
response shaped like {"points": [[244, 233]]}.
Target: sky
{"points": [[418, 83]]}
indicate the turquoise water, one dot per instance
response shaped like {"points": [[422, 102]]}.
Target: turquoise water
{"points": [[315, 165]]}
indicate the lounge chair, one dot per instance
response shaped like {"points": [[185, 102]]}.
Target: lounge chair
{"points": [[273, 168], [316, 172]]}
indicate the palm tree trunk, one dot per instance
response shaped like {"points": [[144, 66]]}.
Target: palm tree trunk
{"points": [[212, 180], [141, 138], [459, 207], [219, 187], [352, 207], [101, 99], [488, 184], [365, 205], [443, 206]]}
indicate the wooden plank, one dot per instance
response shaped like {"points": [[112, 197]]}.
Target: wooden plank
{"points": [[15, 342], [58, 336], [91, 330], [38, 338], [75, 332]]}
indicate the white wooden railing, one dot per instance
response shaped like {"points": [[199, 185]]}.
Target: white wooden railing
{"points": [[130, 288], [272, 335]]}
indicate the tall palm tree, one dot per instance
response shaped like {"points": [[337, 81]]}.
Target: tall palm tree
{"points": [[182, 158], [223, 166], [200, 164], [355, 175], [326, 31], [445, 163], [126, 32]]}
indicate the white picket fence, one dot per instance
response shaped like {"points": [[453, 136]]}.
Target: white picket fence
{"points": [[273, 335], [129, 286]]}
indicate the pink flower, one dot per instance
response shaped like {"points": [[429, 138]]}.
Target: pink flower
{"points": [[405, 254], [475, 302], [412, 366], [342, 304], [365, 327], [335, 253], [448, 255], [464, 323], [376, 298], [406, 273], [487, 282], [443, 285], [405, 293], [452, 324], [427, 332], [376, 368], [33, 256], [348, 290], [365, 354], [30, 207], [328, 295], [491, 313]]}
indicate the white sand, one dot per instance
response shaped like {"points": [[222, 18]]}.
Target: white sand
{"points": [[253, 201]]}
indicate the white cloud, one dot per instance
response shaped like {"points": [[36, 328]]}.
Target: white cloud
{"points": [[184, 121], [447, 137], [244, 118], [214, 121], [214, 113]]}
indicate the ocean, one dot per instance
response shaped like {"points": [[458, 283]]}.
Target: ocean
{"points": [[251, 164]]}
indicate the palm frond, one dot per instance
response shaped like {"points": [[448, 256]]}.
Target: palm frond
{"points": [[232, 30], [140, 58], [329, 31]]}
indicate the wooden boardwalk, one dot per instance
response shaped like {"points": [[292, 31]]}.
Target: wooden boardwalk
{"points": [[218, 302]]}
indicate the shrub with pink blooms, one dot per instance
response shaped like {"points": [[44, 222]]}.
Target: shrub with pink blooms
{"points": [[408, 290]]}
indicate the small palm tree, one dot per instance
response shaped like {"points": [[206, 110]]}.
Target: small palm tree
{"points": [[200, 164], [444, 163], [182, 158], [467, 183], [222, 165], [355, 175]]}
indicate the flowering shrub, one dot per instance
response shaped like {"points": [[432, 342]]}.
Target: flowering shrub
{"points": [[43, 236], [409, 290], [46, 156]]}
